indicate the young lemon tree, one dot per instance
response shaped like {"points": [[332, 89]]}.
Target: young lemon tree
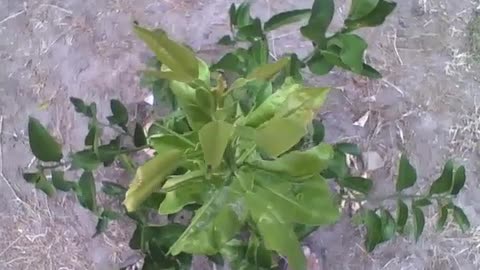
{"points": [[245, 155]]}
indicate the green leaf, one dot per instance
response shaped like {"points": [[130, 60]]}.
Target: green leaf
{"points": [[186, 99], [370, 72], [44, 185], [359, 184], [319, 65], [42, 144], [232, 12], [307, 202], [91, 136], [32, 177], [226, 40], [104, 220], [419, 222], [257, 254], [338, 166], [361, 8], [284, 18], [388, 225], [242, 16], [139, 137], [407, 176], [376, 17], [421, 202], [230, 62], [205, 100], [213, 225], [214, 138], [402, 215], [445, 182], [179, 59], [86, 159], [352, 50], [59, 182], [86, 192], [108, 153], [120, 113], [295, 67], [322, 15], [348, 148], [277, 234], [279, 135], [259, 53], [300, 163], [268, 71], [164, 143], [113, 189], [461, 219], [442, 218], [81, 107], [318, 131], [187, 189], [374, 236], [458, 180], [251, 31], [151, 176]]}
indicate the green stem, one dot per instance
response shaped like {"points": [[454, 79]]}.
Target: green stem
{"points": [[246, 154], [171, 132], [397, 196], [117, 129], [127, 164]]}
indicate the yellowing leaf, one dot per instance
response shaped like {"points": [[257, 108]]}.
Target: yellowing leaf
{"points": [[268, 71], [280, 134], [178, 58], [300, 163], [214, 138], [150, 177]]}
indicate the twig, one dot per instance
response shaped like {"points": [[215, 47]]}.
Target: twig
{"points": [[394, 87], [2, 175], [395, 47], [13, 16]]}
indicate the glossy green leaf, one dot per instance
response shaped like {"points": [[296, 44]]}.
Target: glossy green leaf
{"points": [[361, 8], [374, 18], [388, 225], [230, 62], [268, 71], [278, 135], [370, 72], [461, 219], [151, 176], [277, 234], [338, 167], [42, 144], [421, 202], [179, 59], [232, 13], [242, 15], [251, 31], [139, 137], [307, 202], [86, 192], [300, 163], [407, 176], [418, 222], [359, 184], [213, 225], [259, 53], [186, 99], [458, 180], [374, 236], [318, 131], [186, 189], [113, 189], [402, 215], [284, 18], [214, 138], [119, 113], [59, 182], [319, 65], [352, 50], [86, 159], [45, 186], [79, 105], [445, 182], [107, 153], [320, 19], [442, 218], [267, 109], [348, 148]]}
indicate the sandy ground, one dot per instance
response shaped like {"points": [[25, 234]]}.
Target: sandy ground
{"points": [[426, 106]]}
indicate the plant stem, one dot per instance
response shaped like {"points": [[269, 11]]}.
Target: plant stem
{"points": [[127, 163], [49, 167], [171, 132], [396, 196]]}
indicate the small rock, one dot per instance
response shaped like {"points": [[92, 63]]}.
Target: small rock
{"points": [[373, 160]]}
